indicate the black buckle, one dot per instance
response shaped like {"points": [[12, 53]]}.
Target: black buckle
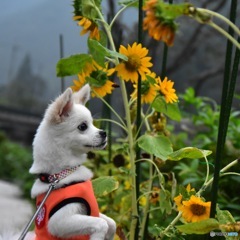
{"points": [[44, 177]]}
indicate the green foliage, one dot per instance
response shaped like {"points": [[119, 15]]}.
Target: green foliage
{"points": [[99, 52], [189, 172], [149, 202], [15, 161], [202, 115], [72, 65], [104, 185], [87, 8], [170, 110], [201, 227], [188, 152], [158, 145]]}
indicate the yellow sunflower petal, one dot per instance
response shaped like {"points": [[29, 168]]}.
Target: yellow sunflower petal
{"points": [[137, 62], [195, 209]]}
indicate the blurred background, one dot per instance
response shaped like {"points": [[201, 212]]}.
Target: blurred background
{"points": [[30, 48]]}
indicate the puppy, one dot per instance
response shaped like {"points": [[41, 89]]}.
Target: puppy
{"points": [[60, 145]]}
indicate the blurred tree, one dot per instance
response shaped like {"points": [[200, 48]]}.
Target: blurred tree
{"points": [[26, 89], [198, 54]]}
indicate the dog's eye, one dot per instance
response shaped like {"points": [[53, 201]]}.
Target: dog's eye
{"points": [[83, 126]]}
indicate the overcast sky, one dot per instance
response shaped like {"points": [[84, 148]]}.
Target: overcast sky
{"points": [[33, 27]]}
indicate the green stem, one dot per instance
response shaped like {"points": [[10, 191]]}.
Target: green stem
{"points": [[108, 31], [112, 121], [147, 206], [224, 33], [206, 185], [120, 11], [231, 164], [138, 117], [226, 20], [157, 169], [132, 156], [123, 125], [144, 120], [135, 216], [224, 113], [230, 173], [174, 221], [206, 178]]}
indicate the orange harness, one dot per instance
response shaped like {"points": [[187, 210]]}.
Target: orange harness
{"points": [[76, 193]]}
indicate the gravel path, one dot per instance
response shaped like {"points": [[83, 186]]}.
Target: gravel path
{"points": [[15, 211]]}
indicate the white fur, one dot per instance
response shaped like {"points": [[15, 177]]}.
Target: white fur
{"points": [[58, 145]]}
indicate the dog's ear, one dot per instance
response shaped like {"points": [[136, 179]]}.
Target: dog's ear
{"points": [[83, 95], [61, 107]]}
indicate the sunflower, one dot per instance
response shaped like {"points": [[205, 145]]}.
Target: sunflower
{"points": [[159, 27], [137, 63], [155, 197], [97, 77], [104, 89], [166, 89], [178, 201], [195, 209], [187, 193], [88, 26], [148, 89], [78, 84], [189, 188], [143, 201]]}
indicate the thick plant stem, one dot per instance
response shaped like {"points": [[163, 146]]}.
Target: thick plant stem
{"points": [[219, 16], [224, 115], [147, 206], [132, 156], [138, 120]]}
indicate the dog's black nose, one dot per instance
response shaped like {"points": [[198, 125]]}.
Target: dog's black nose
{"points": [[103, 134]]}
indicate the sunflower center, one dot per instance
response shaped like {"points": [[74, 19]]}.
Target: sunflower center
{"points": [[197, 209], [145, 87], [97, 78], [133, 63]]}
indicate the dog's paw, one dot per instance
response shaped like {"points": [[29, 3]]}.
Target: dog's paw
{"points": [[111, 227], [100, 230]]}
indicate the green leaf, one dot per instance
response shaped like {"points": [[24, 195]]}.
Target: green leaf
{"points": [[99, 52], [72, 65], [188, 152], [104, 185], [87, 8], [169, 109], [159, 145], [165, 203], [201, 227], [227, 222], [172, 11], [224, 216], [132, 3], [117, 55]]}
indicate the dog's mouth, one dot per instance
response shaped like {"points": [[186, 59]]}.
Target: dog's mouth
{"points": [[101, 145]]}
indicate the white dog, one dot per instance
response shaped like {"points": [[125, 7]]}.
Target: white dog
{"points": [[62, 140]]}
